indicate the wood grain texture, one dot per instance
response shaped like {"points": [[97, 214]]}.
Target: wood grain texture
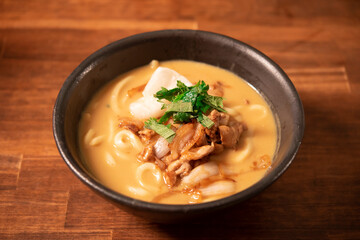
{"points": [[317, 43], [9, 171]]}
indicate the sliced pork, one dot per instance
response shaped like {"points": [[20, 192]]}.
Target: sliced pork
{"points": [[187, 155]]}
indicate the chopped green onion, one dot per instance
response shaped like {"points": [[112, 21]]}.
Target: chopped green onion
{"points": [[205, 121], [179, 107], [160, 129]]}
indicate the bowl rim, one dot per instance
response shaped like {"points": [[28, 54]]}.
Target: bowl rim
{"points": [[92, 60]]}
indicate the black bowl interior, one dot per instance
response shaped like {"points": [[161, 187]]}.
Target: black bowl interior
{"points": [[218, 50]]}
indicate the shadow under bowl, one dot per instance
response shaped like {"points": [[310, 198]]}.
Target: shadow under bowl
{"points": [[126, 54]]}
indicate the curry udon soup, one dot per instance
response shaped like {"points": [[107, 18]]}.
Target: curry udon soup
{"points": [[159, 134]]}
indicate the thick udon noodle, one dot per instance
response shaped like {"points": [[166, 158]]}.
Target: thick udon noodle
{"points": [[110, 152]]}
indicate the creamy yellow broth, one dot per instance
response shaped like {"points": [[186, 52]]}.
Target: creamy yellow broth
{"points": [[116, 167]]}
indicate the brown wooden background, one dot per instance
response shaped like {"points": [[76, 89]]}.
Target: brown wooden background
{"points": [[316, 42]]}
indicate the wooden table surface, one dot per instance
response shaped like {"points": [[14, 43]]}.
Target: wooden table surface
{"points": [[317, 43]]}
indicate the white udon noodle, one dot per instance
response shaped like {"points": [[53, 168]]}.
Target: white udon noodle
{"points": [[247, 145], [235, 114], [221, 187], [91, 139], [245, 150], [89, 135], [235, 111], [201, 172], [154, 170], [138, 191], [126, 141], [110, 159], [259, 108], [118, 91]]}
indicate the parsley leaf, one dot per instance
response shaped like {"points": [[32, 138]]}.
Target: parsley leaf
{"points": [[182, 117], [215, 102], [182, 86], [167, 94]]}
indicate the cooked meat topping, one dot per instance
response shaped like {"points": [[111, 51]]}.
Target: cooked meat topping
{"points": [[136, 90], [202, 140], [170, 178], [192, 145], [218, 148], [212, 132], [263, 162], [192, 154], [147, 154], [224, 119], [160, 164], [182, 166], [216, 89], [184, 169], [198, 137], [197, 153], [146, 134], [182, 138], [131, 124], [230, 135], [196, 163]]}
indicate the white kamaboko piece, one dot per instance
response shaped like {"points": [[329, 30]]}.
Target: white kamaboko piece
{"points": [[148, 106], [163, 77], [200, 173]]}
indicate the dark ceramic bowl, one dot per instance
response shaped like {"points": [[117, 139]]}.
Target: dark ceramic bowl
{"points": [[218, 50]]}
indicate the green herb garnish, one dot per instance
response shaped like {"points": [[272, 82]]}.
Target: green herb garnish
{"points": [[186, 103], [205, 121], [179, 107], [160, 129]]}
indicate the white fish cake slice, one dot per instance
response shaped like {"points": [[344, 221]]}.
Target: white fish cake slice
{"points": [[163, 77], [148, 106]]}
